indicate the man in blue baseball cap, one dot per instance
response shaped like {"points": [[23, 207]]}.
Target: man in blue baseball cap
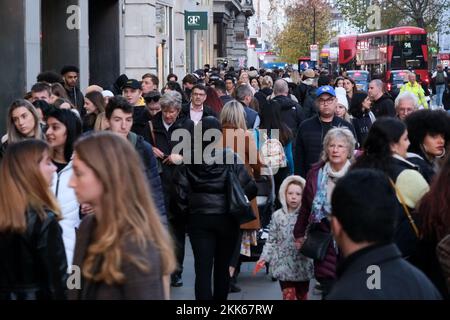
{"points": [[308, 145]]}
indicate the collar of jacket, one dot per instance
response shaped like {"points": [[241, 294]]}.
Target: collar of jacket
{"points": [[375, 254]]}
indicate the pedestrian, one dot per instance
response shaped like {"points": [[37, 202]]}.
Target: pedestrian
{"points": [[286, 263], [33, 261], [70, 76], [440, 80], [213, 231], [405, 104], [312, 131], [386, 149], [350, 88], [338, 147], [434, 211], [414, 87], [163, 140], [362, 116], [342, 106], [123, 250], [429, 132], [22, 123], [382, 103], [94, 104], [63, 129], [363, 226]]}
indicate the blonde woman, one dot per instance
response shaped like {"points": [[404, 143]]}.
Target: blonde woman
{"points": [[22, 123], [236, 137], [123, 249], [33, 260]]}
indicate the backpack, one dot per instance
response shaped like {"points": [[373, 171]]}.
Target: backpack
{"points": [[440, 78], [272, 154]]}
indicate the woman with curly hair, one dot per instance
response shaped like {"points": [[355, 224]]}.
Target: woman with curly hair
{"points": [[429, 134]]}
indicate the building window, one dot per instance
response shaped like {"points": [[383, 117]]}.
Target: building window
{"points": [[161, 20]]}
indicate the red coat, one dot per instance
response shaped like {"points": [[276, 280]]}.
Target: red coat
{"points": [[327, 267]]}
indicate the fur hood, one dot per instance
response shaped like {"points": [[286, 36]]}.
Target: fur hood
{"points": [[283, 187]]}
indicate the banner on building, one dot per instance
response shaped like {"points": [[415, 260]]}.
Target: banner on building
{"points": [[195, 20]]}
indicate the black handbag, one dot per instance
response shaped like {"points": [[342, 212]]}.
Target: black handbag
{"points": [[316, 242], [238, 204]]}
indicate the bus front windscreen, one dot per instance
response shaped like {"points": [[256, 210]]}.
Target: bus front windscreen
{"points": [[407, 52]]}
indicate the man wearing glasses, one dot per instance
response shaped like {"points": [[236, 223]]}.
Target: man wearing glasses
{"points": [[196, 109], [312, 131]]}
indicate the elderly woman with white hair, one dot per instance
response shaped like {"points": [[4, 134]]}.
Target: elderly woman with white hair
{"points": [[405, 104], [338, 147], [163, 141]]}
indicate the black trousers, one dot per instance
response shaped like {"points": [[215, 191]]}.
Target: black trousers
{"points": [[213, 238], [177, 229]]}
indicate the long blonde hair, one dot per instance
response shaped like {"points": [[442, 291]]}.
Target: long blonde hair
{"points": [[233, 114], [13, 134], [23, 186], [128, 211]]}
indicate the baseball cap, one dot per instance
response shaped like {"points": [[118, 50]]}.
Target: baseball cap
{"points": [[132, 83], [325, 89]]}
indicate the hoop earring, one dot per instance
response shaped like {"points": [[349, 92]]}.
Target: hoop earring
{"points": [[443, 154]]}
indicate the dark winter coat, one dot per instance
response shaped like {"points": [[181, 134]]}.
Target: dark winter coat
{"points": [[202, 189], [33, 265], [77, 98], [426, 167], [326, 268], [138, 285], [399, 280], [362, 126], [151, 172], [291, 112], [164, 143], [306, 96], [261, 96], [384, 106], [308, 145], [141, 117]]}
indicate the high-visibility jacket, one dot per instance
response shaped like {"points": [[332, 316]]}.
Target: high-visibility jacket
{"points": [[417, 90]]}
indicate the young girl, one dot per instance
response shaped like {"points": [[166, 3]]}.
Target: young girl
{"points": [[285, 262]]}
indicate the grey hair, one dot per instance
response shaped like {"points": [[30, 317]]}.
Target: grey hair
{"points": [[243, 91], [280, 87], [378, 83], [171, 99], [407, 95], [338, 133]]}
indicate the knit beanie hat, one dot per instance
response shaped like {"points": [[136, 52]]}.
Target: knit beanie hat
{"points": [[341, 95]]}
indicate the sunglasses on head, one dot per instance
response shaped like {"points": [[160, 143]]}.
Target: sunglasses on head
{"points": [[152, 99]]}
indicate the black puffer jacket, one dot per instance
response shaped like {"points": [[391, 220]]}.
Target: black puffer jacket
{"points": [[202, 189], [33, 265]]}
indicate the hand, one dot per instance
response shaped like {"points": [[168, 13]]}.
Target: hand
{"points": [[173, 159], [86, 209], [299, 243], [158, 153]]}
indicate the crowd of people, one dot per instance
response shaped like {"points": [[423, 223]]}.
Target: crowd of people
{"points": [[109, 183]]}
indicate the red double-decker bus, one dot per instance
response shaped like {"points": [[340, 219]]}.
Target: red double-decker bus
{"points": [[380, 52]]}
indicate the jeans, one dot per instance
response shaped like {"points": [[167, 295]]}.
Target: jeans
{"points": [[440, 88]]}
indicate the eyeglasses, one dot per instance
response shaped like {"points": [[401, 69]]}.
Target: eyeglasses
{"points": [[326, 101]]}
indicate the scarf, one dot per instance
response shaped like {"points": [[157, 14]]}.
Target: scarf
{"points": [[321, 206]]}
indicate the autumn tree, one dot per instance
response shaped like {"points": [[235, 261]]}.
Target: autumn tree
{"points": [[393, 13], [299, 32], [360, 12]]}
